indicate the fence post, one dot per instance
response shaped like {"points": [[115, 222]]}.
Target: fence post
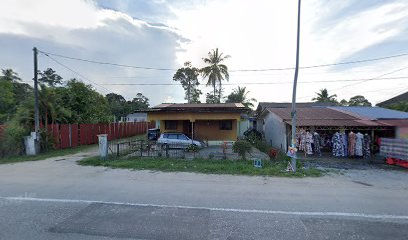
{"points": [[141, 148], [117, 150], [167, 150]]}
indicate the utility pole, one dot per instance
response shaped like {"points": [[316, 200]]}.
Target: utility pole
{"points": [[36, 109], [293, 144]]}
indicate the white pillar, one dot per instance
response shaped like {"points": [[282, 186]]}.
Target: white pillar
{"points": [[103, 146]]}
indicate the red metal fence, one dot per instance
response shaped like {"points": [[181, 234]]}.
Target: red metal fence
{"points": [[72, 135]]}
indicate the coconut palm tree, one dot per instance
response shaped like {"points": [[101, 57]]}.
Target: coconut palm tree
{"points": [[215, 71], [239, 95], [323, 96]]}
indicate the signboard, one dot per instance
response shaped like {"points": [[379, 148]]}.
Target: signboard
{"points": [[291, 152]]}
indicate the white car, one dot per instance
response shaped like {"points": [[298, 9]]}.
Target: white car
{"points": [[179, 139]]}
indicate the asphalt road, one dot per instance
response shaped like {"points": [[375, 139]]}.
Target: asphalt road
{"points": [[57, 199]]}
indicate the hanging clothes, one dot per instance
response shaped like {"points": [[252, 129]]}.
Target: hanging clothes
{"points": [[309, 141], [359, 144], [302, 144], [367, 146], [337, 143], [351, 144], [345, 145], [317, 143]]}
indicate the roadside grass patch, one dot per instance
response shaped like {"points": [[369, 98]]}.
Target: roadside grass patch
{"points": [[45, 155], [237, 167]]}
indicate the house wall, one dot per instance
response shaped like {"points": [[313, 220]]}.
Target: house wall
{"points": [[210, 130], [275, 131], [402, 132], [206, 125]]}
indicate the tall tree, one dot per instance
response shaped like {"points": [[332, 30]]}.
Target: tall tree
{"points": [[216, 72], [140, 102], [86, 104], [188, 77], [118, 105], [10, 75], [359, 100], [239, 95], [50, 78], [323, 96]]}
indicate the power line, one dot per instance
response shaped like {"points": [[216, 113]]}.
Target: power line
{"points": [[77, 73], [256, 83], [233, 70]]}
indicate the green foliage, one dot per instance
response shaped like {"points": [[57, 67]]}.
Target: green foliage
{"points": [[239, 95], [401, 106], [192, 148], [215, 71], [359, 101], [50, 78], [187, 76], [242, 147], [86, 105], [202, 166], [7, 100], [323, 96], [139, 102], [12, 142]]}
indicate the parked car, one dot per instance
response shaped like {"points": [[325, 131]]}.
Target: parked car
{"points": [[179, 139], [153, 134]]}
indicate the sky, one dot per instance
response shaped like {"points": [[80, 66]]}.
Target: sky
{"points": [[257, 35]]}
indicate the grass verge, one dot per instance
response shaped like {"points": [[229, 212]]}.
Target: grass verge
{"points": [[202, 166], [45, 155]]}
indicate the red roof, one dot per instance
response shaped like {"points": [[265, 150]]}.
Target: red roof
{"points": [[395, 122], [321, 117]]}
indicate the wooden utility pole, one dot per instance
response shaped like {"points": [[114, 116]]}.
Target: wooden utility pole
{"points": [[293, 144]]}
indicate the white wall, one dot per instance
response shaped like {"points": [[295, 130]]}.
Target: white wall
{"points": [[275, 131]]}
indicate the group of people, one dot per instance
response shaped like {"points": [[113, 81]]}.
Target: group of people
{"points": [[342, 144]]}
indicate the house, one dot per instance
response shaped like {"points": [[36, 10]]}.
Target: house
{"points": [[135, 117], [213, 123], [376, 122], [258, 125], [400, 98]]}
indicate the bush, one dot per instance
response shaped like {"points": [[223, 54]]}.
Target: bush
{"points": [[262, 146], [242, 147], [12, 143]]}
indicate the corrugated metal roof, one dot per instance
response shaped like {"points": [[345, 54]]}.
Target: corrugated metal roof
{"points": [[373, 112], [396, 123], [396, 99], [321, 117], [200, 105], [263, 105]]}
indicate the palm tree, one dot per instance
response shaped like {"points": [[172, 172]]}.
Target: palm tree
{"points": [[323, 96], [215, 71], [239, 95], [10, 75]]}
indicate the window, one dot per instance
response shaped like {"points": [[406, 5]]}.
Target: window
{"points": [[170, 125], [226, 125], [182, 137], [172, 136]]}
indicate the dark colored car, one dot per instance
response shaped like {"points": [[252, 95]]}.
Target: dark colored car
{"points": [[153, 134]]}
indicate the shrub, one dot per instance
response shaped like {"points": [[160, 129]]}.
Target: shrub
{"points": [[12, 143], [262, 146], [242, 148]]}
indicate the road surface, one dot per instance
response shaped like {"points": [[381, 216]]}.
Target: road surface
{"points": [[57, 199]]}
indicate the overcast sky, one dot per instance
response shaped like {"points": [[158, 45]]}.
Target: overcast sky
{"points": [[257, 34]]}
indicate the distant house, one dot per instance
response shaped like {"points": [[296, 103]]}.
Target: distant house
{"points": [[135, 117], [400, 98], [214, 123]]}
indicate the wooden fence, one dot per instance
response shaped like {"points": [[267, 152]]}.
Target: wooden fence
{"points": [[72, 135]]}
